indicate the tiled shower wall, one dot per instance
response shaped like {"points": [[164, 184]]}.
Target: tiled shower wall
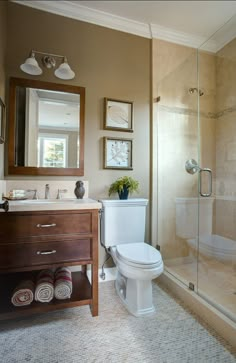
{"points": [[225, 214]]}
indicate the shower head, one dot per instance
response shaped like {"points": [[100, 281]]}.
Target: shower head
{"points": [[194, 89]]}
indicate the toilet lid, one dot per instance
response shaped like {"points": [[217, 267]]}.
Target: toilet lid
{"points": [[139, 253]]}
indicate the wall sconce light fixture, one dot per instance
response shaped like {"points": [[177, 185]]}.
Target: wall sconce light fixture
{"points": [[31, 65]]}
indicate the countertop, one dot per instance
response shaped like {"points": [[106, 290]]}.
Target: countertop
{"points": [[51, 204]]}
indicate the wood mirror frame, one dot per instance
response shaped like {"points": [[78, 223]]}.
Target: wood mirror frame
{"points": [[13, 169]]}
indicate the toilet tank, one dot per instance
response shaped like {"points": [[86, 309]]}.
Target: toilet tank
{"points": [[187, 216], [123, 221]]}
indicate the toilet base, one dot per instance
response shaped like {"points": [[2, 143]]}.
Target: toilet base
{"points": [[136, 295]]}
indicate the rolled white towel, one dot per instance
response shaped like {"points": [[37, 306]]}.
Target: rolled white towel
{"points": [[23, 294], [44, 290], [63, 283]]}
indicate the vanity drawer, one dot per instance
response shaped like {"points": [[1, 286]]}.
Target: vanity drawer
{"points": [[32, 254], [13, 225]]}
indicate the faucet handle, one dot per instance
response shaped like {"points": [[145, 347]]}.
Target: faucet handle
{"points": [[47, 188], [35, 196], [61, 191]]}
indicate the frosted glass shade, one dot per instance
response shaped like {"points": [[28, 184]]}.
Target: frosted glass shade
{"points": [[31, 67], [64, 71]]}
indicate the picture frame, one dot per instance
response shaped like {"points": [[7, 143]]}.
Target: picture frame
{"points": [[118, 153], [2, 122], [118, 115]]}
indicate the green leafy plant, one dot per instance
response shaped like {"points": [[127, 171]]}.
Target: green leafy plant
{"points": [[125, 181]]}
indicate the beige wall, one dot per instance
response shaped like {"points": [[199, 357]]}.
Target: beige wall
{"points": [[3, 17], [107, 63], [175, 125]]}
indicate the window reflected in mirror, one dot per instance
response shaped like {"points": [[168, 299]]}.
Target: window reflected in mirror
{"points": [[52, 151]]}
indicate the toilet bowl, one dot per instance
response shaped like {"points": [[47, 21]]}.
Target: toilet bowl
{"points": [[137, 262], [135, 272]]}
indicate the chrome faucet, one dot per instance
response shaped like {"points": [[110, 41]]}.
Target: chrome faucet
{"points": [[35, 195], [47, 191], [60, 191]]}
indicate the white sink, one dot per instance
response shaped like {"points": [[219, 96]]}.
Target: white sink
{"points": [[47, 201]]}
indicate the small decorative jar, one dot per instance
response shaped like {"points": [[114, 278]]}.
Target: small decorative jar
{"points": [[79, 189]]}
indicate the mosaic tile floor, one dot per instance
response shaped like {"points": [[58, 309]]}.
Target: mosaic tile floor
{"points": [[171, 335]]}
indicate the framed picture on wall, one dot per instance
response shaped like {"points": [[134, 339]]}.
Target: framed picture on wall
{"points": [[2, 122], [118, 153], [118, 115]]}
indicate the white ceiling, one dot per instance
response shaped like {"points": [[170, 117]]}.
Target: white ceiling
{"points": [[200, 18], [185, 22], [58, 110]]}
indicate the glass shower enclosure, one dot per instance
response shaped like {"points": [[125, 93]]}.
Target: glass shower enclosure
{"points": [[196, 169]]}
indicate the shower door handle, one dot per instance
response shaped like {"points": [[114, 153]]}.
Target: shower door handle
{"points": [[207, 170], [192, 167]]}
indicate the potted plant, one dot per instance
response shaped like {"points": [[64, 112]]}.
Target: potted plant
{"points": [[123, 186]]}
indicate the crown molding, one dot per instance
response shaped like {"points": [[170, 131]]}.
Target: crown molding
{"points": [[160, 32], [224, 39], [75, 11], [186, 39]]}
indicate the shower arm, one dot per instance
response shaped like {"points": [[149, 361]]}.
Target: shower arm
{"points": [[198, 90]]}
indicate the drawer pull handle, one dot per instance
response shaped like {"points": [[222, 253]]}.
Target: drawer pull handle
{"points": [[46, 225], [46, 252]]}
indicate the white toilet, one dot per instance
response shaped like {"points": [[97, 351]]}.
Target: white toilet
{"points": [[137, 263]]}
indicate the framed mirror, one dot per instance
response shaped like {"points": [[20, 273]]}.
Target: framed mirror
{"points": [[2, 122], [46, 128]]}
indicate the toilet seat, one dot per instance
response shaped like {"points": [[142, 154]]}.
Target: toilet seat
{"points": [[139, 255]]}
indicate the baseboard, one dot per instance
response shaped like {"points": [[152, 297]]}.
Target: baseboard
{"points": [[110, 273], [224, 326]]}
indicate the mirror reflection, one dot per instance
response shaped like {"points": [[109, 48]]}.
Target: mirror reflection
{"points": [[51, 128]]}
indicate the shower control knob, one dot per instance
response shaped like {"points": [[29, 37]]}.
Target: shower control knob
{"points": [[191, 166]]}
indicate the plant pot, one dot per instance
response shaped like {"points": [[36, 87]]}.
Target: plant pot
{"points": [[124, 193]]}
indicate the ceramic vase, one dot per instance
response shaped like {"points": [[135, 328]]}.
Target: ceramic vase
{"points": [[79, 189], [124, 193]]}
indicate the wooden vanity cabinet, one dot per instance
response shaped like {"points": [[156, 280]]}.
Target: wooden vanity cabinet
{"points": [[33, 241]]}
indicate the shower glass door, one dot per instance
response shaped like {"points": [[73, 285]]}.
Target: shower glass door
{"points": [[217, 116], [177, 131], [195, 118]]}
